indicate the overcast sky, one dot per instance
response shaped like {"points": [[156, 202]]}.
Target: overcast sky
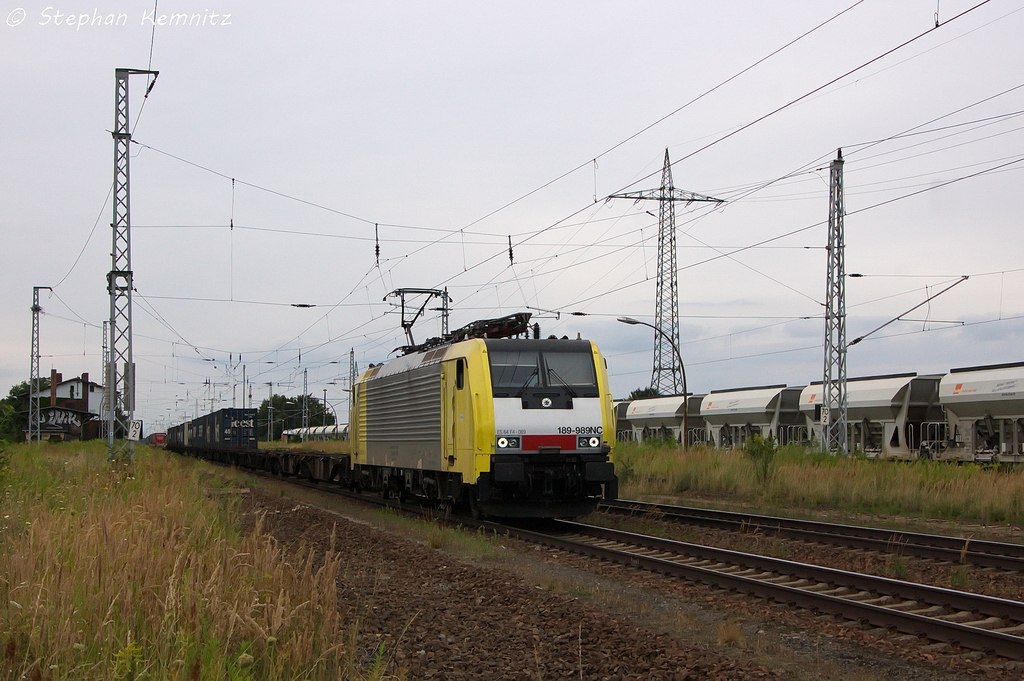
{"points": [[454, 126]]}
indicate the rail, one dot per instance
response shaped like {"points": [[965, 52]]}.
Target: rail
{"points": [[959, 550]]}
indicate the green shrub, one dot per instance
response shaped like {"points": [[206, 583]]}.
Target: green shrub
{"points": [[761, 452]]}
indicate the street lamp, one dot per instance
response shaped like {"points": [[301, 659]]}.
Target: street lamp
{"points": [[333, 410], [633, 322]]}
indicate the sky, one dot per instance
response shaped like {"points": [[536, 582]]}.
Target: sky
{"points": [[281, 146]]}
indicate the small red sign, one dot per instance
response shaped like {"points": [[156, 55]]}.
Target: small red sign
{"points": [[534, 442]]}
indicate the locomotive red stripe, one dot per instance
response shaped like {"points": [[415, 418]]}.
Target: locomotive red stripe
{"points": [[532, 443]]}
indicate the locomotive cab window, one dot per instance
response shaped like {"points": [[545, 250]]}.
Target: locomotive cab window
{"points": [[557, 364], [514, 370], [460, 374], [573, 369]]}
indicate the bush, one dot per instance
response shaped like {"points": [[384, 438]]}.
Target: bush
{"points": [[761, 452]]}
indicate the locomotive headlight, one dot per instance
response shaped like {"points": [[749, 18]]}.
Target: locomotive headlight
{"points": [[502, 442], [585, 442], [595, 442], [508, 443]]}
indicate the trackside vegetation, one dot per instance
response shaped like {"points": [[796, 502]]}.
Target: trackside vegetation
{"points": [[143, 572], [790, 477]]}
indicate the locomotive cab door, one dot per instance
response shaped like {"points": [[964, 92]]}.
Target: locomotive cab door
{"points": [[457, 418]]}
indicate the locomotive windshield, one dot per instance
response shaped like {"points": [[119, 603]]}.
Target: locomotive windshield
{"points": [[514, 369], [556, 364]]}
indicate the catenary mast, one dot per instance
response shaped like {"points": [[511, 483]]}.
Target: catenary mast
{"points": [[121, 367], [34, 415], [834, 399]]}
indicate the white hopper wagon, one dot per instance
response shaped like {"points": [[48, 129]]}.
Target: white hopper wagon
{"points": [[733, 416], [887, 416], [662, 418], [984, 412]]}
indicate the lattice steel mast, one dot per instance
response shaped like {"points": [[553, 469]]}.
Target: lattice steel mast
{"points": [[121, 368], [353, 375], [667, 374], [34, 427], [104, 403], [305, 404], [834, 401]]}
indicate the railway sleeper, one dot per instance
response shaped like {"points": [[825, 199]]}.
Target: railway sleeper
{"points": [[733, 570], [778, 579], [749, 572], [986, 623], [820, 588], [698, 562], [859, 596], [879, 600], [960, 617], [1017, 630]]}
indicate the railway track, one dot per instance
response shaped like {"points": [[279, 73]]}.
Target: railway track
{"points": [[955, 550], [984, 623], [977, 622]]}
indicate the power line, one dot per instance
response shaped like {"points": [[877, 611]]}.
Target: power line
{"points": [[867, 145], [89, 238], [816, 224], [548, 183], [817, 89], [668, 115]]}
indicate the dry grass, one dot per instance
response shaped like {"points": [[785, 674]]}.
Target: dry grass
{"points": [[809, 479], [135, 573], [730, 634]]}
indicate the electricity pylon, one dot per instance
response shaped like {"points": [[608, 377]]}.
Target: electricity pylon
{"points": [[667, 375]]}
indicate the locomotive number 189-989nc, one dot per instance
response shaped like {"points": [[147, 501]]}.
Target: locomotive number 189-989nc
{"points": [[580, 430]]}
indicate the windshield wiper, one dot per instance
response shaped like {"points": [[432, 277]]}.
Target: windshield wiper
{"points": [[526, 384], [552, 372]]}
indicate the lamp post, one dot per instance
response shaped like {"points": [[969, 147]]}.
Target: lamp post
{"points": [[633, 322]]}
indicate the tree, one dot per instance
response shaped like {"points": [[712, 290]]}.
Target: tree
{"points": [[288, 414], [14, 410], [644, 393]]}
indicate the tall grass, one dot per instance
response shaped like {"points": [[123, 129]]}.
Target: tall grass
{"points": [[134, 573], [809, 479]]}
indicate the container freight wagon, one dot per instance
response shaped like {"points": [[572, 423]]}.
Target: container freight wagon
{"points": [[226, 430], [156, 439], [176, 437]]}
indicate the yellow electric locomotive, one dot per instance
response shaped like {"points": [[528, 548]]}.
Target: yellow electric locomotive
{"points": [[510, 426]]}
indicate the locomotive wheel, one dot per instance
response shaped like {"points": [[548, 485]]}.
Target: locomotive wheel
{"points": [[474, 508]]}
